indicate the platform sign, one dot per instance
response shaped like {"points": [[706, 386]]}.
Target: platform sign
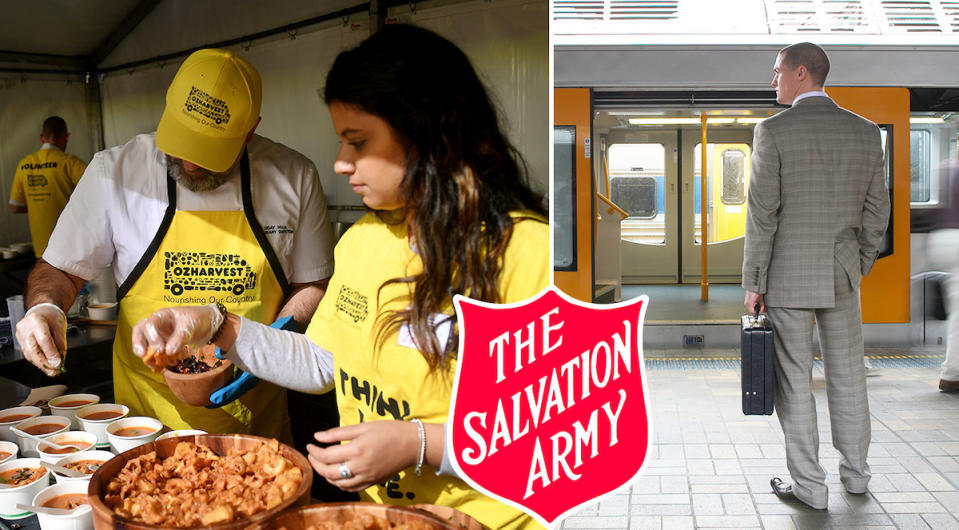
{"points": [[549, 408]]}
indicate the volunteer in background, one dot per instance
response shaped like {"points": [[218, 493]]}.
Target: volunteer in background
{"points": [[202, 211], [44, 181]]}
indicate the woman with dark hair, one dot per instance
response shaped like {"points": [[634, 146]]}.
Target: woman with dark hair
{"points": [[450, 214]]}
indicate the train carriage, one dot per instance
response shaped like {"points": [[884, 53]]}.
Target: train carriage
{"points": [[638, 90]]}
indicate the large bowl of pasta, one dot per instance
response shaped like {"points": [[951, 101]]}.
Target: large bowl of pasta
{"points": [[222, 481]]}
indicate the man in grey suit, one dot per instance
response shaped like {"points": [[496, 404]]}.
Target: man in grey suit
{"points": [[817, 210]]}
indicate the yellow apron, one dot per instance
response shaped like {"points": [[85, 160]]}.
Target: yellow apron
{"points": [[196, 258], [395, 382]]}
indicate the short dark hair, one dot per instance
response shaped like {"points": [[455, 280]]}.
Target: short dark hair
{"points": [[54, 128], [810, 55]]}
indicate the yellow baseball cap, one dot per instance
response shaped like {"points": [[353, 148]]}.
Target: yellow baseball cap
{"points": [[211, 106]]}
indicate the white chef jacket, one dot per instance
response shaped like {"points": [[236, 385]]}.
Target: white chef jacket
{"points": [[116, 210]]}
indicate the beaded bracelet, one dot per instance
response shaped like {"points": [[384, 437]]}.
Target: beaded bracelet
{"points": [[219, 331], [421, 431]]}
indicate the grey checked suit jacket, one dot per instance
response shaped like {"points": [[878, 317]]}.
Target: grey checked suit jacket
{"points": [[817, 201]]}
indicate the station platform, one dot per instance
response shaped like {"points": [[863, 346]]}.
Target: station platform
{"points": [[709, 466]]}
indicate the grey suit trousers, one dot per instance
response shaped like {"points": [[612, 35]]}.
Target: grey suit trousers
{"points": [[840, 337]]}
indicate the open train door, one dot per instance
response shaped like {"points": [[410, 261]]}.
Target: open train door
{"points": [[885, 292], [572, 192]]}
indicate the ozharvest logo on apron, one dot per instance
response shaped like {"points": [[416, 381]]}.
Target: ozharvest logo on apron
{"points": [[206, 271]]}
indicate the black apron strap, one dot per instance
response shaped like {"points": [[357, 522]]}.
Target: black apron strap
{"points": [[155, 244], [258, 232]]}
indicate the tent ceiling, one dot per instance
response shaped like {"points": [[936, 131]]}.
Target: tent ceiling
{"points": [[60, 27], [76, 33]]}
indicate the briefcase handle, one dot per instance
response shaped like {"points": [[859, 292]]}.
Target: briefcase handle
{"points": [[758, 321]]}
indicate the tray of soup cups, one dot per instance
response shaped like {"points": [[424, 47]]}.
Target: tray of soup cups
{"points": [[133, 431], [8, 451], [86, 441], [40, 427], [27, 476], [12, 416], [96, 418], [68, 405], [68, 496]]}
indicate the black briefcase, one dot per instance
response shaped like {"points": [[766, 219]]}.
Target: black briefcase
{"points": [[758, 374]]}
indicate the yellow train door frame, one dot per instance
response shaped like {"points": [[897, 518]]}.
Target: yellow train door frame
{"points": [[571, 107], [885, 291]]}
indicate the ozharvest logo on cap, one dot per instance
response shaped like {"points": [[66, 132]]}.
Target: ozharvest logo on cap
{"points": [[201, 105]]}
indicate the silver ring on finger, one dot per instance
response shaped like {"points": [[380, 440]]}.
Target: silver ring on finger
{"points": [[345, 472]]}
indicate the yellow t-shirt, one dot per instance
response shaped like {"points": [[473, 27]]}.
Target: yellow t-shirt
{"points": [[43, 183], [393, 381]]}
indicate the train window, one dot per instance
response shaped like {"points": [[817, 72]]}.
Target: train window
{"points": [[734, 176], [636, 184], [920, 160], [932, 149], [564, 197], [727, 180]]}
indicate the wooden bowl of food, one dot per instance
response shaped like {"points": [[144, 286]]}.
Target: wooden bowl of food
{"points": [[457, 518], [355, 515], [196, 489], [197, 376]]}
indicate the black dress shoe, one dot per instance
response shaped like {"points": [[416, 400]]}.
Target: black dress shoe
{"points": [[785, 492], [782, 490], [948, 386]]}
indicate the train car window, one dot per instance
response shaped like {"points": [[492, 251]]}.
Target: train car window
{"points": [[636, 184], [932, 149], [734, 176], [727, 176], [920, 162], [564, 198]]}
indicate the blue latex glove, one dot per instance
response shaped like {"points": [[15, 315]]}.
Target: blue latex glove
{"points": [[242, 381]]}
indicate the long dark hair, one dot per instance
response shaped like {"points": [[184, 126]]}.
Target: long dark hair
{"points": [[463, 177]]}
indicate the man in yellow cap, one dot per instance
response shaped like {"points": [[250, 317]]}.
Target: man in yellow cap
{"points": [[44, 181], [204, 211]]}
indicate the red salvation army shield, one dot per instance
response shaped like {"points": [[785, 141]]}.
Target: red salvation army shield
{"points": [[549, 405]]}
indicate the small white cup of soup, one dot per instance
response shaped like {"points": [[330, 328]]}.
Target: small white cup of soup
{"points": [[179, 433], [133, 432], [86, 462], [8, 451], [28, 477], [69, 496], [86, 441], [95, 418], [40, 427], [11, 417], [68, 405]]}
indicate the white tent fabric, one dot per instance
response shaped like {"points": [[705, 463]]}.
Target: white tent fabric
{"points": [[507, 40]]}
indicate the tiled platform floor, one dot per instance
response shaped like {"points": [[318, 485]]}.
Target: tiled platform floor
{"points": [[709, 465]]}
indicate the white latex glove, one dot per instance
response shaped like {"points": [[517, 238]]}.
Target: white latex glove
{"points": [[42, 334], [169, 329]]}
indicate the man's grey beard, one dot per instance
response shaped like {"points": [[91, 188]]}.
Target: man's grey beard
{"points": [[209, 182]]}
